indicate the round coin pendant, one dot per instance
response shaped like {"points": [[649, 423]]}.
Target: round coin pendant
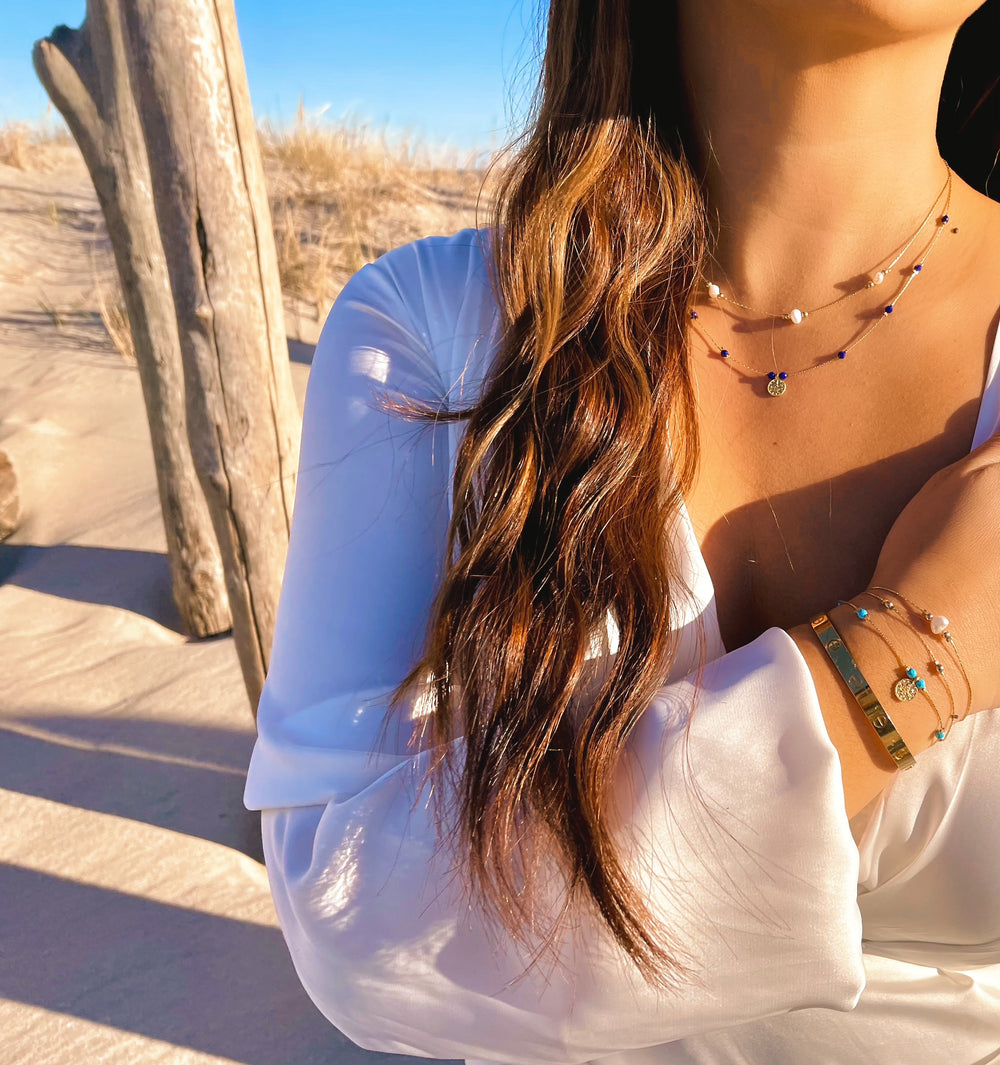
{"points": [[776, 387], [905, 690]]}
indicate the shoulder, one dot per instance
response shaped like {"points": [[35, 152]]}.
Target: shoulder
{"points": [[430, 280], [451, 259], [437, 291]]}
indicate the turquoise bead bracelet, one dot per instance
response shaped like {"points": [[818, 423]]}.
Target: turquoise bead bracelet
{"points": [[910, 684]]}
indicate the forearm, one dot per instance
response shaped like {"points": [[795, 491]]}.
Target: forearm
{"points": [[865, 764], [741, 795]]}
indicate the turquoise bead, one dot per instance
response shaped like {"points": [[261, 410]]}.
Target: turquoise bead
{"points": [[862, 613], [940, 734], [911, 673], [921, 683]]}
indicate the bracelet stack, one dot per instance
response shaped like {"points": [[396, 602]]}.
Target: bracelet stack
{"points": [[909, 683]]}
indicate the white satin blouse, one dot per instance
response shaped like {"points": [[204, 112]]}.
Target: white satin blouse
{"points": [[817, 941]]}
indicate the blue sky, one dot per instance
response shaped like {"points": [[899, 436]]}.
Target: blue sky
{"points": [[454, 71]]}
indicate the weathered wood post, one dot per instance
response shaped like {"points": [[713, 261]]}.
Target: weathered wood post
{"points": [[85, 74], [215, 224]]}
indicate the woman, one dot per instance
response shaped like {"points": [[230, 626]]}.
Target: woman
{"points": [[554, 763]]}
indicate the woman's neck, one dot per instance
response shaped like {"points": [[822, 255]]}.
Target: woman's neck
{"points": [[815, 138]]}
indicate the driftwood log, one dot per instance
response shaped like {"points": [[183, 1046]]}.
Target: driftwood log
{"points": [[85, 74], [215, 225]]}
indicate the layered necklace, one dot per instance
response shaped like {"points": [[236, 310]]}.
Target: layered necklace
{"points": [[777, 380]]}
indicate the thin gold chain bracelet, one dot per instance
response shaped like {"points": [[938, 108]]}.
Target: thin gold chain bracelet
{"points": [[938, 625], [910, 684]]}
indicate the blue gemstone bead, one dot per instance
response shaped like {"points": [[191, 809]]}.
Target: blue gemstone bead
{"points": [[782, 375], [724, 353], [918, 268], [694, 314], [862, 613], [944, 218], [841, 354], [888, 309], [940, 733], [771, 375], [911, 673], [920, 683]]}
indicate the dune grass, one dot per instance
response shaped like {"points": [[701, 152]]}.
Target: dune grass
{"points": [[28, 146], [341, 193]]}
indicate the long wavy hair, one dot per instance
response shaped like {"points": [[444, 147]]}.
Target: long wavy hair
{"points": [[574, 458], [574, 461]]}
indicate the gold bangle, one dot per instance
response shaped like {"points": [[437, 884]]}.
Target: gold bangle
{"points": [[862, 692]]}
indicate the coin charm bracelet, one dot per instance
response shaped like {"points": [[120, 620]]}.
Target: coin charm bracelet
{"points": [[908, 683]]}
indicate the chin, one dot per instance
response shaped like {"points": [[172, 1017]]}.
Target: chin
{"points": [[881, 21]]}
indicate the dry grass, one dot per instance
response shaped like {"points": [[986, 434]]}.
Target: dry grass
{"points": [[114, 317], [14, 145], [35, 147], [341, 195]]}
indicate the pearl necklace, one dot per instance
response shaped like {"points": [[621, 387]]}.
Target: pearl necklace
{"points": [[797, 316], [777, 380]]}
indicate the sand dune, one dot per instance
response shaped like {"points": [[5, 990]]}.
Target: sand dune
{"points": [[136, 923]]}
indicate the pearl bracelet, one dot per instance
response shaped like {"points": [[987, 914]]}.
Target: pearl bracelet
{"points": [[910, 684], [939, 626]]}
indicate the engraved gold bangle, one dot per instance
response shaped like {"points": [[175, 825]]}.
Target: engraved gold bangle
{"points": [[844, 662]]}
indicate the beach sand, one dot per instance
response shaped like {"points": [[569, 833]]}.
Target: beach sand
{"points": [[136, 924]]}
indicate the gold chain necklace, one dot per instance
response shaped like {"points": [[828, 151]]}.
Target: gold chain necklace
{"points": [[797, 316], [777, 380]]}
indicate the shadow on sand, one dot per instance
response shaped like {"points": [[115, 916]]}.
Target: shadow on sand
{"points": [[183, 778], [138, 581], [214, 984], [210, 983], [301, 352]]}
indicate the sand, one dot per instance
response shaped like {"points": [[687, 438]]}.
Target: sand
{"points": [[136, 923]]}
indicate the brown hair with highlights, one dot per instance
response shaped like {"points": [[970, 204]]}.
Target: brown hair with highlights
{"points": [[565, 485]]}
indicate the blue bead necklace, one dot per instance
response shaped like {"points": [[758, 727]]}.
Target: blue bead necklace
{"points": [[777, 380]]}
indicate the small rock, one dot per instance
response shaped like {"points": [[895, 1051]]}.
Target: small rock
{"points": [[10, 506]]}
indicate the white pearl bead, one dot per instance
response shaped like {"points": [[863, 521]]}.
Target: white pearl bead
{"points": [[938, 624], [714, 291], [878, 278], [796, 316]]}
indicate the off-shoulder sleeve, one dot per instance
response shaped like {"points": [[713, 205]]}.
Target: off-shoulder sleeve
{"points": [[735, 825]]}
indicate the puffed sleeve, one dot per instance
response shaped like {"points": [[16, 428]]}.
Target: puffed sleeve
{"points": [[734, 824]]}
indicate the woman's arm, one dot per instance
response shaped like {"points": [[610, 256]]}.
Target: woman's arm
{"points": [[866, 768], [944, 549], [736, 824]]}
